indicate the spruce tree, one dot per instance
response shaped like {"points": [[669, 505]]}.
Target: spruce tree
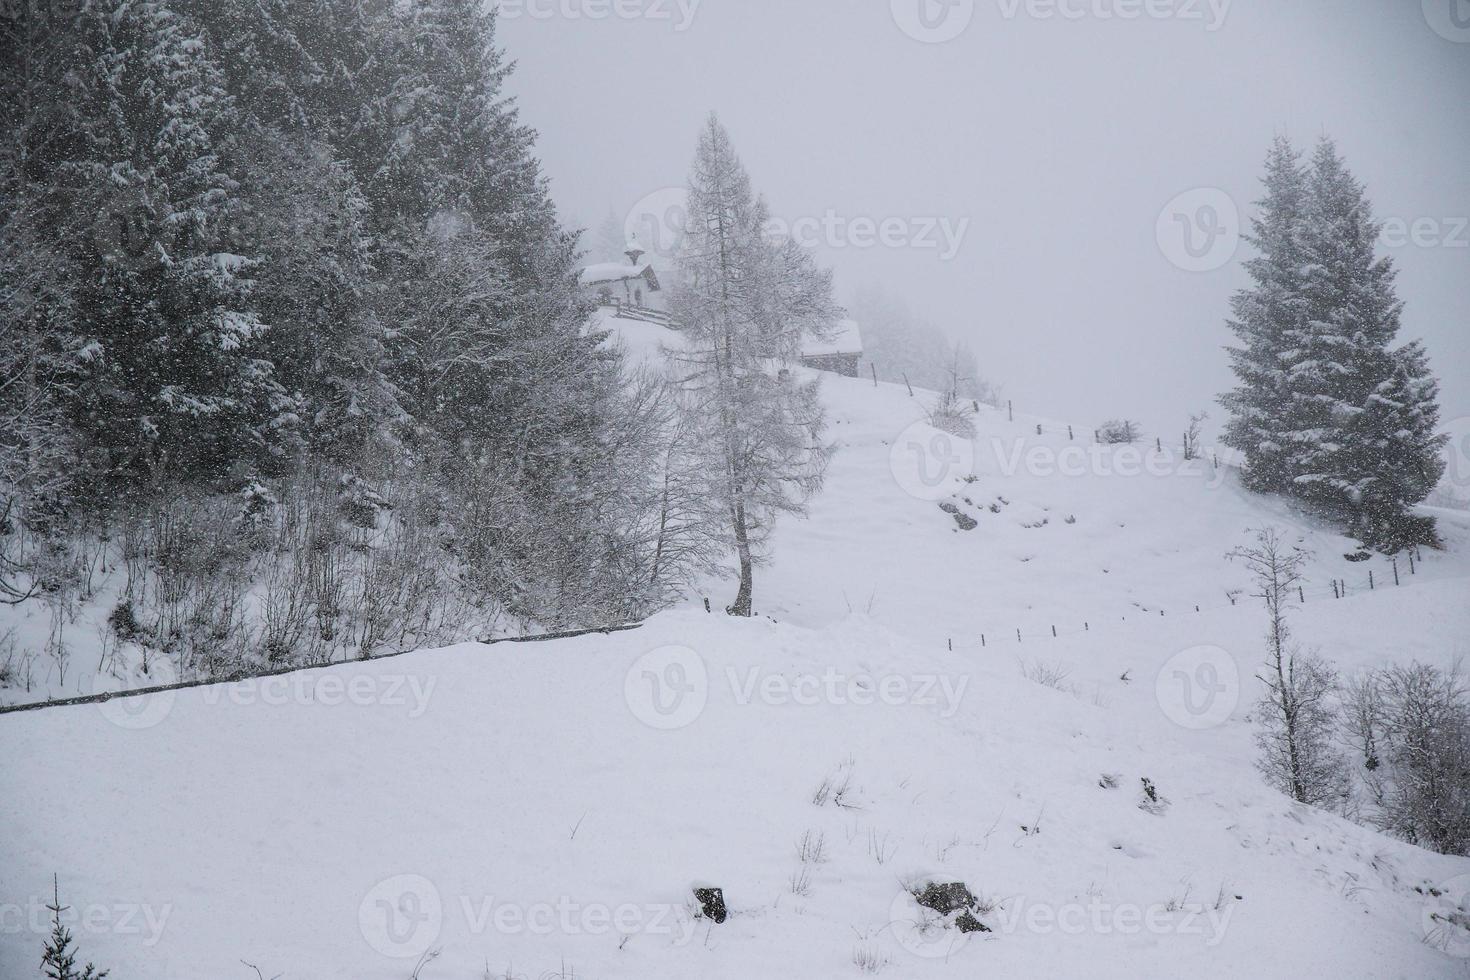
{"points": [[59, 959], [169, 382], [1327, 409], [1267, 317], [1363, 413]]}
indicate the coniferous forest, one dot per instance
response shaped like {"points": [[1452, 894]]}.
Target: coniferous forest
{"points": [[287, 300]]}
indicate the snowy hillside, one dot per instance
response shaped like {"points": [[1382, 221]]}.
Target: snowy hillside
{"points": [[544, 809]]}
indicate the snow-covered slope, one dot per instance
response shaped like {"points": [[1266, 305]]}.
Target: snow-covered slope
{"points": [[543, 810]]}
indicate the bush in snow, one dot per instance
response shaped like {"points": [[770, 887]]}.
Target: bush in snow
{"points": [[1118, 432], [953, 414], [1413, 725]]}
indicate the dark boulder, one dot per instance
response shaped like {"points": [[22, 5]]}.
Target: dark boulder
{"points": [[712, 903], [947, 897]]}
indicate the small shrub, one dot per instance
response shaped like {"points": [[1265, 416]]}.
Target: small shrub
{"points": [[1053, 676], [812, 847], [953, 415], [123, 622], [1413, 724], [1118, 432], [868, 958]]}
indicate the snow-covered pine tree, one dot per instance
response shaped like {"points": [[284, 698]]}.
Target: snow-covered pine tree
{"points": [[38, 350], [173, 384], [1400, 452], [316, 286], [1362, 414], [745, 303], [1266, 318]]}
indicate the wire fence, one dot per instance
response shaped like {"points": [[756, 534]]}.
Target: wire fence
{"points": [[1357, 581]]}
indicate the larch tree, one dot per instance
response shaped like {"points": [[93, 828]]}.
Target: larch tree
{"points": [[744, 303]]}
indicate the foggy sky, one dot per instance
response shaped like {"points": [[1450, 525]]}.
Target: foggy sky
{"points": [[1058, 140]]}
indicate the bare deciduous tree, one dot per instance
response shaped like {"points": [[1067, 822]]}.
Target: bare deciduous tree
{"points": [[1297, 724], [1414, 725], [745, 303]]}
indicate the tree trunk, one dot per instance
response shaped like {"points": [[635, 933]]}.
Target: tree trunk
{"points": [[741, 606]]}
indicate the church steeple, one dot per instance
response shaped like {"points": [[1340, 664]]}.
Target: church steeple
{"points": [[634, 251]]}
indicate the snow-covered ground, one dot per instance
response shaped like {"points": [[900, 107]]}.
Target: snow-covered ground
{"points": [[543, 809]]}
